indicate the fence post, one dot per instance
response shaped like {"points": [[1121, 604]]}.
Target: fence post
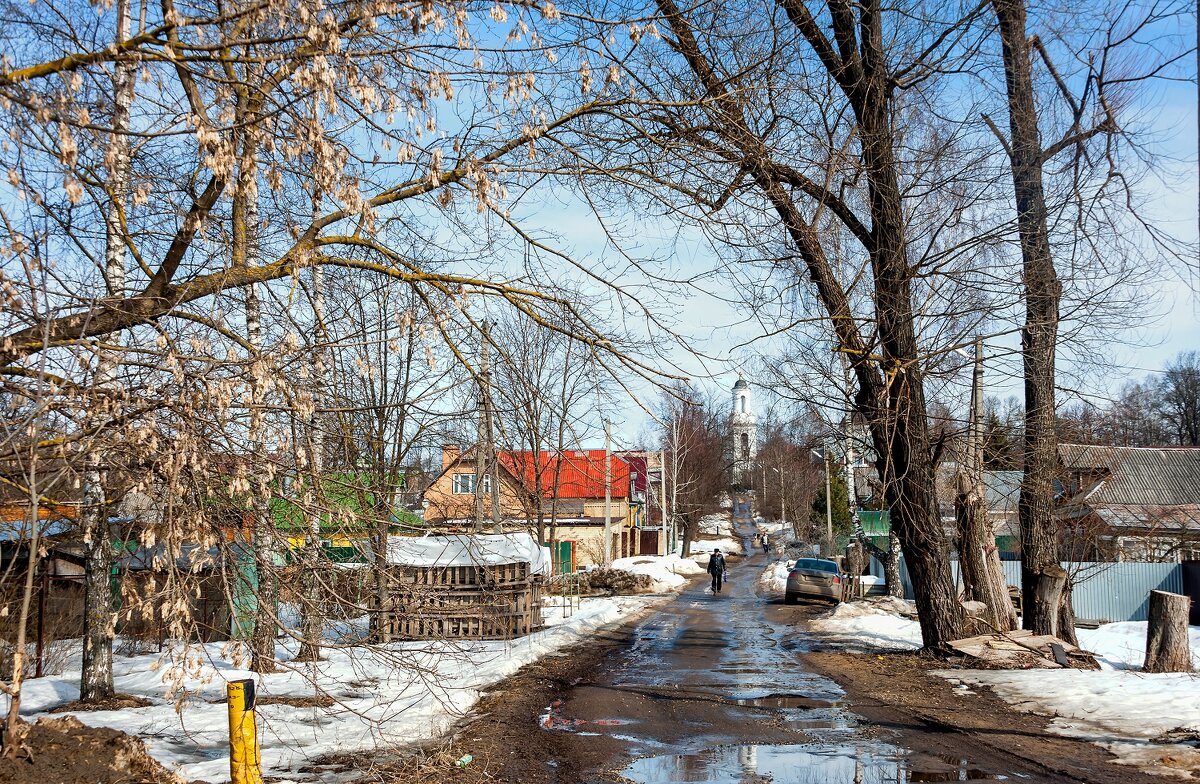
{"points": [[245, 762]]}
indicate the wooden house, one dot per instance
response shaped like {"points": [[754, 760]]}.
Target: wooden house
{"points": [[1129, 503]]}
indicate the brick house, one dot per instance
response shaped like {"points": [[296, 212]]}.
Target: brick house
{"points": [[571, 498]]}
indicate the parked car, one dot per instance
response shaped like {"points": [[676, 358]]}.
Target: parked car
{"points": [[813, 578]]}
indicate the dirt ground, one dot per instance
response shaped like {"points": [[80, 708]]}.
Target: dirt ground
{"points": [[65, 751], [503, 735], [895, 696], [897, 692]]}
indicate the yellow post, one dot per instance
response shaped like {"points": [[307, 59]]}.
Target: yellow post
{"points": [[245, 763]]}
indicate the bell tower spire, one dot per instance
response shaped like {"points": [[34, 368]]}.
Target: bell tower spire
{"points": [[743, 434]]}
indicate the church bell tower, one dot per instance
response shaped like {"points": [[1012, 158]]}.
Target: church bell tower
{"points": [[743, 435]]}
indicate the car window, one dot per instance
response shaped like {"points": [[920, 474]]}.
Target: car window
{"points": [[818, 564]]}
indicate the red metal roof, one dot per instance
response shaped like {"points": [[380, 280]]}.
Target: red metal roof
{"points": [[580, 472]]}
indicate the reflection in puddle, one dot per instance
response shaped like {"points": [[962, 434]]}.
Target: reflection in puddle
{"points": [[805, 764], [552, 719], [788, 701]]}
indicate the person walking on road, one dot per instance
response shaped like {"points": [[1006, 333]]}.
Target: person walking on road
{"points": [[766, 546], [716, 568]]}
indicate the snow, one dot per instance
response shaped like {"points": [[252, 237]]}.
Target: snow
{"points": [[469, 550], [1118, 707], [1119, 710], [1122, 646], [668, 572], [774, 577], [716, 525], [383, 696], [874, 624]]}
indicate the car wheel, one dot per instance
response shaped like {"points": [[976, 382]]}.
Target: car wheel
{"points": [[789, 598]]}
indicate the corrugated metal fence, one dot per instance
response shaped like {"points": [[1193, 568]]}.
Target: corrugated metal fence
{"points": [[1103, 592]]}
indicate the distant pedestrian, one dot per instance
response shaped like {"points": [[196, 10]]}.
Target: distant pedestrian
{"points": [[765, 544], [716, 568]]}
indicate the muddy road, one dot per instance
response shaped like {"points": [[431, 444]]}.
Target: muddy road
{"points": [[729, 689]]}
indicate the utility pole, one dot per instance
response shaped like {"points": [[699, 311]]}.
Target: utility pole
{"points": [[607, 493], [828, 499], [975, 427], [782, 507], [485, 449], [662, 500]]}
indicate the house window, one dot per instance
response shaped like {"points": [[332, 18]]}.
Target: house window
{"points": [[742, 402], [464, 484], [745, 446]]}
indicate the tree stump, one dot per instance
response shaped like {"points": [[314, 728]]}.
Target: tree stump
{"points": [[1047, 596], [1167, 648]]}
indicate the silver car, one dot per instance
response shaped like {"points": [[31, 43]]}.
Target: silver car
{"points": [[814, 578]]}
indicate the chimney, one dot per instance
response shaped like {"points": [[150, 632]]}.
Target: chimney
{"points": [[450, 453]]}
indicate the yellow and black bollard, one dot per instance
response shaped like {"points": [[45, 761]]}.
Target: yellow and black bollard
{"points": [[245, 764]]}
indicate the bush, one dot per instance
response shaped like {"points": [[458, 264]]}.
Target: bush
{"points": [[613, 582]]}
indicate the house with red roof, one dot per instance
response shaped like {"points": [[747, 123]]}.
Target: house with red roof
{"points": [[564, 491]]}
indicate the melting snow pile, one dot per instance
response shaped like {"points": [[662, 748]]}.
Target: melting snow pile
{"points": [[774, 577], [666, 572], [384, 696], [872, 624], [716, 525], [1121, 710]]}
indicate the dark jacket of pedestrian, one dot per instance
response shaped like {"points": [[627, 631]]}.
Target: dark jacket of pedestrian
{"points": [[716, 564]]}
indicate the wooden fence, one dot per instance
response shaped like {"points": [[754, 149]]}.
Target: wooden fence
{"points": [[497, 602]]}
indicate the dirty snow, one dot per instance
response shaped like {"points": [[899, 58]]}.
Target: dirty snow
{"points": [[1119, 710], [870, 625], [1118, 707], [667, 572], [774, 577], [383, 696]]}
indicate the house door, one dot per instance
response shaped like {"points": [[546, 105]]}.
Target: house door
{"points": [[649, 543]]}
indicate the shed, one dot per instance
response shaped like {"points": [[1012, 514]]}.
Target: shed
{"points": [[463, 586]]}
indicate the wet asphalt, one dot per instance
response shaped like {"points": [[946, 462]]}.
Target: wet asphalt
{"points": [[712, 689]]}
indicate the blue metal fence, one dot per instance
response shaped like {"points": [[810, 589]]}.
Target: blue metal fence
{"points": [[1103, 592]]}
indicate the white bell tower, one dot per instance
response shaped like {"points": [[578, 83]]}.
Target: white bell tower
{"points": [[743, 435]]}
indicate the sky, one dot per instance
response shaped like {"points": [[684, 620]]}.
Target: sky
{"points": [[726, 343]]}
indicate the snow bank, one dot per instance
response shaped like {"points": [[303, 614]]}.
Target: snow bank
{"points": [[1121, 711], [384, 696], [774, 577], [1122, 646], [668, 572], [873, 624], [1116, 708]]}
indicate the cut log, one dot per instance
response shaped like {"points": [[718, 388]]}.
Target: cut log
{"points": [[1167, 648]]}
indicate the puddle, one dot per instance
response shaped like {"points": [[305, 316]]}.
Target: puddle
{"points": [[788, 701], [552, 719], [802, 764]]}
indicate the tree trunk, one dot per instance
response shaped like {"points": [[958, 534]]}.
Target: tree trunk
{"points": [[1167, 648], [13, 737], [982, 571], [95, 681], [1039, 530], [96, 676], [891, 568], [1048, 585], [1066, 616]]}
